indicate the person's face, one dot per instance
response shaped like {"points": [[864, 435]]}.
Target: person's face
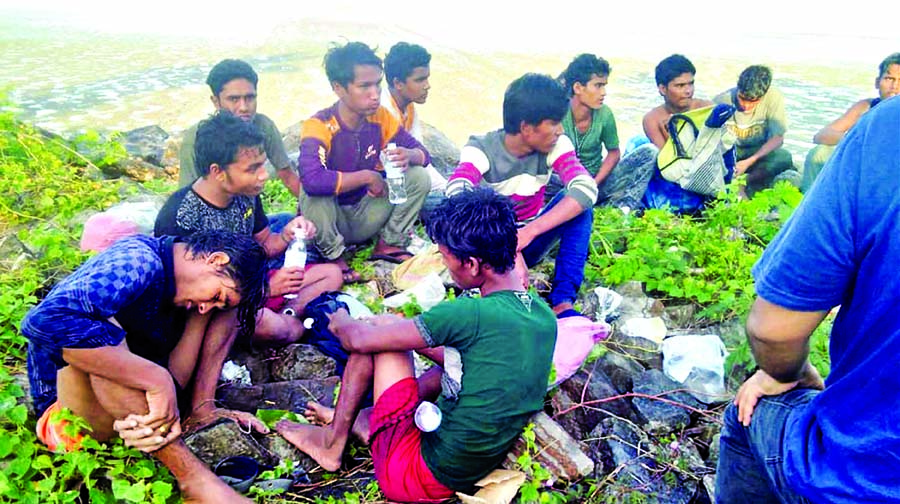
{"points": [[888, 84], [592, 93], [679, 92], [542, 137], [416, 86], [363, 95], [464, 274], [746, 104], [246, 176], [207, 287], [238, 96]]}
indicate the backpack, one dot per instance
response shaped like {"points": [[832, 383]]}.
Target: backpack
{"points": [[694, 157]]}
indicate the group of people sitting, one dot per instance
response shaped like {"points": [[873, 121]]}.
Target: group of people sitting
{"points": [[134, 341]]}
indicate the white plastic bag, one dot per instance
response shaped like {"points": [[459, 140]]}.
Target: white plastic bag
{"points": [[428, 292], [697, 361]]}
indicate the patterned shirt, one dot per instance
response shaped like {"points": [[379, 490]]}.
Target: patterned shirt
{"points": [[328, 149], [132, 281], [186, 212], [523, 179]]}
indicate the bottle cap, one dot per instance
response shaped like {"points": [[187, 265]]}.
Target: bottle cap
{"points": [[308, 323]]}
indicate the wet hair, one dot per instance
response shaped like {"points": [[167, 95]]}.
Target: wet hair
{"points": [[754, 81], [582, 69], [533, 98], [340, 61], [247, 267], [893, 59], [226, 71], [219, 139], [671, 67], [402, 59], [480, 224]]}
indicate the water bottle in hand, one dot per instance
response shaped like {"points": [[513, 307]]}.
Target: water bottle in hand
{"points": [[395, 179], [295, 255]]}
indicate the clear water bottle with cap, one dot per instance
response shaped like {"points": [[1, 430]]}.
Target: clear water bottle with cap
{"points": [[295, 255], [395, 179], [428, 416]]}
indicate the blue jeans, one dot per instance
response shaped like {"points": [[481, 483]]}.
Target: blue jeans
{"points": [[750, 466], [574, 237]]}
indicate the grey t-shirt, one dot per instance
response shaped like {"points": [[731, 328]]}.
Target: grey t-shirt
{"points": [[273, 146], [752, 129]]}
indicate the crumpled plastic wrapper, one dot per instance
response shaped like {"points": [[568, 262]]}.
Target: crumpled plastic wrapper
{"points": [[498, 487]]}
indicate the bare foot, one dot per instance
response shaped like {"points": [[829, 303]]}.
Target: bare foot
{"points": [[318, 414], [210, 490], [313, 441]]}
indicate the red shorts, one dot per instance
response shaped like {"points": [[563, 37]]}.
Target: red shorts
{"points": [[52, 431], [396, 448]]}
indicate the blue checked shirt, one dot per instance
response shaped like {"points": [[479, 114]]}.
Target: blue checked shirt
{"points": [[132, 281]]}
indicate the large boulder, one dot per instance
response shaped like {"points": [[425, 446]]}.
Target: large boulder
{"points": [[621, 369], [444, 153], [555, 450], [285, 395], [572, 402], [224, 439], [301, 362], [147, 143], [661, 415]]}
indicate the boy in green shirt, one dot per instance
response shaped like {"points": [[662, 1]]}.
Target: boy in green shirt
{"points": [[493, 354]]}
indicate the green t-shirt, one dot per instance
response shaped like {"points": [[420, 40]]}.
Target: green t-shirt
{"points": [[752, 129], [497, 356], [273, 146], [589, 145]]}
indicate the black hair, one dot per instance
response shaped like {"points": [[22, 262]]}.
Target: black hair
{"points": [[340, 61], [479, 223], [226, 71], [402, 59], [219, 139], [582, 69], [247, 267], [533, 98], [893, 59], [671, 67], [754, 81]]}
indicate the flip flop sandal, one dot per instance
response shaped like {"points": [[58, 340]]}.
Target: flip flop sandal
{"points": [[392, 257]]}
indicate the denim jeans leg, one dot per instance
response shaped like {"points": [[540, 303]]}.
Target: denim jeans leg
{"points": [[750, 466], [574, 242]]}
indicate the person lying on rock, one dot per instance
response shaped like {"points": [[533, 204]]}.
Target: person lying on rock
{"points": [[227, 197], [486, 396], [344, 190], [517, 161], [129, 342]]}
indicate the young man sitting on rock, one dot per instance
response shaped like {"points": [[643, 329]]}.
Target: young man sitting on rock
{"points": [[517, 162], [485, 401], [121, 339], [233, 85], [230, 154], [344, 191]]}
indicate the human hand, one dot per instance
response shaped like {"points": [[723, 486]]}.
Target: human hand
{"points": [[525, 237], [301, 223], [143, 437], [399, 157], [742, 166], [338, 319], [204, 416], [286, 281], [377, 187], [385, 319], [757, 386]]}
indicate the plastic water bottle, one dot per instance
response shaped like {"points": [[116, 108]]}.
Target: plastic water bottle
{"points": [[295, 255], [428, 416], [395, 179]]}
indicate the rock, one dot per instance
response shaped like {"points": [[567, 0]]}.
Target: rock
{"points": [[585, 386], [170, 153], [709, 484], [679, 316], [444, 153], [291, 137], [645, 352], [147, 143], [662, 417], [637, 304], [256, 361], [639, 465], [384, 276], [556, 451], [301, 362], [226, 439], [621, 369], [138, 170], [283, 450], [285, 395]]}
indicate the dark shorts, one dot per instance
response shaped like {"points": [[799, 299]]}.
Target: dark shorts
{"points": [[396, 448]]}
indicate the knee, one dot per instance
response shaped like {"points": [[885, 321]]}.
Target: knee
{"points": [[417, 180], [331, 276]]}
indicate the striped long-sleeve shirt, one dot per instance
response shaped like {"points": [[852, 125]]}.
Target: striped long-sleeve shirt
{"points": [[524, 180]]}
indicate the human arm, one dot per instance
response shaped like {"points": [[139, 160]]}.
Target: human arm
{"points": [[277, 155], [187, 171], [771, 144], [409, 151], [473, 164], [609, 162], [276, 243], [567, 209], [319, 179], [653, 124], [361, 336], [834, 132], [290, 179]]}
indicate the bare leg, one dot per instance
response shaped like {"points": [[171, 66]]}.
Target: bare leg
{"points": [[318, 279], [326, 444], [101, 401], [320, 414], [276, 329]]}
